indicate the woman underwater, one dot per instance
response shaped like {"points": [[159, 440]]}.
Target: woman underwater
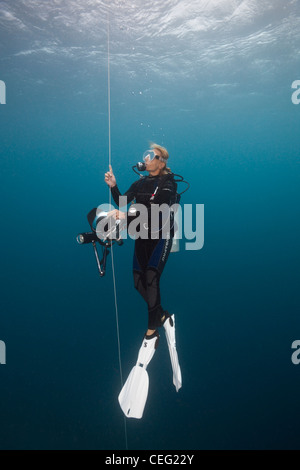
{"points": [[150, 257]]}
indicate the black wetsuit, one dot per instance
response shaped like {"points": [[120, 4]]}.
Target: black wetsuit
{"points": [[150, 255]]}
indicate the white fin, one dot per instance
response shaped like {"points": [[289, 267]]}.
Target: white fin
{"points": [[169, 327], [134, 393]]}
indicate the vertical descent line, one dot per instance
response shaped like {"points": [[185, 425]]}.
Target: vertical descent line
{"points": [[108, 95], [112, 250]]}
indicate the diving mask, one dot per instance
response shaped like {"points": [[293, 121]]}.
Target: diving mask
{"points": [[150, 155]]}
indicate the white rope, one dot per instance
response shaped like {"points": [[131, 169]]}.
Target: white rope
{"points": [[112, 250]]}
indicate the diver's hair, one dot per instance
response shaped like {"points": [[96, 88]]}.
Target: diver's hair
{"points": [[164, 153]]}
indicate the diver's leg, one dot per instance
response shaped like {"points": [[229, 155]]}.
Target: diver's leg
{"points": [[150, 257], [139, 266], [140, 284], [155, 267], [157, 316], [155, 310]]}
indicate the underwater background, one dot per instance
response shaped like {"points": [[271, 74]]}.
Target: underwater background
{"points": [[211, 81]]}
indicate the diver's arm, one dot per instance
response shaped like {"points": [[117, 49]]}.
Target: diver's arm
{"points": [[110, 178], [130, 194], [115, 192], [111, 181]]}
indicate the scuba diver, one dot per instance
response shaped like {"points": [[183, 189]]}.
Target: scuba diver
{"points": [[149, 260]]}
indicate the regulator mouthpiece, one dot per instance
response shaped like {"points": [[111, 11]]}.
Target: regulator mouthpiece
{"points": [[141, 166]]}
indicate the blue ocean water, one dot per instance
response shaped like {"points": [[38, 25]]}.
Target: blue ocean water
{"points": [[211, 81]]}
